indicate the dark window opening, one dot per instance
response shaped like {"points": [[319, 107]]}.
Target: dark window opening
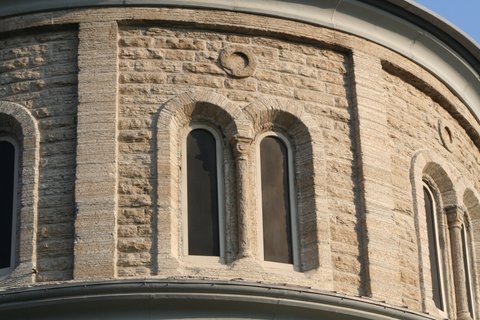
{"points": [[7, 189], [276, 215], [467, 267], [432, 248], [202, 194]]}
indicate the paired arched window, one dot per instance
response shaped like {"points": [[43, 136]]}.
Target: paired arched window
{"points": [[204, 193], [458, 257], [8, 195], [204, 196], [278, 223], [209, 175], [435, 254]]}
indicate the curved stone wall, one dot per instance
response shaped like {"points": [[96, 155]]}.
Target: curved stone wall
{"points": [[112, 93]]}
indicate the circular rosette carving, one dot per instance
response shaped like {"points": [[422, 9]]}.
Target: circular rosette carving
{"points": [[446, 135], [238, 61]]}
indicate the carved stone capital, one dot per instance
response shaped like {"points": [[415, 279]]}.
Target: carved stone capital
{"points": [[455, 216], [241, 146]]}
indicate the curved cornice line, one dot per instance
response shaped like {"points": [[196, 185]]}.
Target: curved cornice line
{"points": [[401, 25], [156, 297]]}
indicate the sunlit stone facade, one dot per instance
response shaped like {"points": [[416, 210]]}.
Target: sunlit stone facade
{"points": [[371, 105]]}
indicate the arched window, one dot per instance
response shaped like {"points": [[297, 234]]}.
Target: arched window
{"points": [[468, 271], [460, 244], [436, 271], [278, 213], [8, 195], [204, 193]]}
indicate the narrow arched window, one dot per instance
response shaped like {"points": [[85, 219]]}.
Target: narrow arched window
{"points": [[435, 256], [468, 271], [204, 193], [277, 201], [8, 173]]}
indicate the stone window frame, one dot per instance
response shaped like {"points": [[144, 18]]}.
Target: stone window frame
{"points": [[17, 122], [291, 120], [6, 137], [453, 216], [220, 193], [239, 126], [174, 120], [469, 263], [471, 203], [295, 243], [458, 225], [441, 241]]}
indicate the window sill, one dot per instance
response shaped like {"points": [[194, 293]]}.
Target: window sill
{"points": [[204, 261], [5, 272], [279, 267]]}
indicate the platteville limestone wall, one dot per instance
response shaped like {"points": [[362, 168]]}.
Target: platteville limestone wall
{"points": [[113, 91], [39, 72], [158, 63]]}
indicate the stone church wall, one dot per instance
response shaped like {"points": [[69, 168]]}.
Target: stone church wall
{"points": [[113, 92], [39, 71]]}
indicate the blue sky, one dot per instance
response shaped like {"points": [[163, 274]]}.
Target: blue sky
{"points": [[462, 13]]}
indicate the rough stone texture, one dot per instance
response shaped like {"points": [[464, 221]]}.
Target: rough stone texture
{"points": [[95, 193], [38, 70], [18, 123], [364, 121], [414, 118], [315, 77], [381, 253]]}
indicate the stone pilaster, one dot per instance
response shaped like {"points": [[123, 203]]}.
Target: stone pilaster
{"points": [[96, 186], [380, 256]]}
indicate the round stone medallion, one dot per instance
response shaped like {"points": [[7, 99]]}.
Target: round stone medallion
{"points": [[238, 61], [446, 135]]}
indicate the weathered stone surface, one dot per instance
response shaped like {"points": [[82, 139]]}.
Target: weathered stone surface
{"points": [[39, 70], [107, 94]]}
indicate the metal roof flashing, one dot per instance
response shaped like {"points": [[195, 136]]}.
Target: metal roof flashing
{"points": [[180, 299]]}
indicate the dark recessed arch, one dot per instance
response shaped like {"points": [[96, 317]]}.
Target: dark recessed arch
{"points": [[177, 117], [304, 136], [18, 126]]}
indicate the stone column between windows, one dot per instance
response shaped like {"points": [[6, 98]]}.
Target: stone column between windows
{"points": [[380, 253], [96, 185], [455, 218], [242, 147]]}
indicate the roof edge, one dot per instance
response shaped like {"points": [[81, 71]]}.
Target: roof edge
{"points": [[180, 294]]}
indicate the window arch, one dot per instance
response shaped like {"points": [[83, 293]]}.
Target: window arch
{"points": [[19, 127], [299, 131], [8, 202], [467, 264], [176, 118], [433, 180], [435, 254], [460, 259], [278, 222], [203, 193], [471, 232]]}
